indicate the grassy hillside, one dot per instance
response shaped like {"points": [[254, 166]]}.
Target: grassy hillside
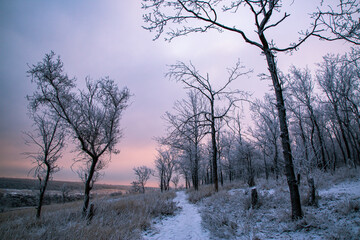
{"points": [[122, 217]]}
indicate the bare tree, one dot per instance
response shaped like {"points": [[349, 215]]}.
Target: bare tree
{"points": [[165, 165], [340, 22], [339, 80], [143, 174], [267, 131], [186, 130], [175, 180], [92, 116], [183, 167], [48, 139], [226, 144], [192, 79], [302, 90]]}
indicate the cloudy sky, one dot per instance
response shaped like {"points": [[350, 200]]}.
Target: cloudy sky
{"points": [[106, 38]]}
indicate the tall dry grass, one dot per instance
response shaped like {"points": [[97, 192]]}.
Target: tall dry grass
{"points": [[208, 190], [122, 218]]}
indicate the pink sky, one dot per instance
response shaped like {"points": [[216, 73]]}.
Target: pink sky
{"points": [[105, 38]]}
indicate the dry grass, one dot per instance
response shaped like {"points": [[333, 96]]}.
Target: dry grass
{"points": [[122, 218], [208, 190], [228, 214], [326, 179], [203, 192]]}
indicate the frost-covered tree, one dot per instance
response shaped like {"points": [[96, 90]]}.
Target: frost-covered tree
{"points": [[175, 180], [92, 116], [186, 130], [266, 131], [339, 78], [165, 166], [48, 139], [301, 88], [143, 174], [192, 79], [340, 21]]}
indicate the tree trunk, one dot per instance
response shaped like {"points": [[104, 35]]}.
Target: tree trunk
{"points": [[161, 181], [207, 176], [285, 139], [265, 166], [42, 192], [304, 141], [276, 157], [88, 186], [214, 161], [143, 187], [254, 197], [321, 142], [312, 193], [345, 140], [214, 148], [196, 169]]}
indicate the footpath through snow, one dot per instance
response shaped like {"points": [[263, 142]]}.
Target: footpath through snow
{"points": [[185, 225]]}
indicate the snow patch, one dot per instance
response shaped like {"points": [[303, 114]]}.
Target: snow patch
{"points": [[345, 188]]}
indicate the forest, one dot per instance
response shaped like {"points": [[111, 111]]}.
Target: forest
{"points": [[285, 166]]}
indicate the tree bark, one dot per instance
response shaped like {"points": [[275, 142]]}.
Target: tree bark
{"points": [[88, 186], [196, 168], [42, 193], [214, 148], [285, 139]]}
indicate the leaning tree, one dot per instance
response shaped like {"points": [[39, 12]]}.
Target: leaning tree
{"points": [[92, 116]]}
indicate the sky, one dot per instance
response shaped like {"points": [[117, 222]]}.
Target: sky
{"points": [[106, 38]]}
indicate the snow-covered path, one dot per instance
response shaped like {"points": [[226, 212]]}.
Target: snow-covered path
{"points": [[185, 225]]}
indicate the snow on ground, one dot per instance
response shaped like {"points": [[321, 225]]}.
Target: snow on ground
{"points": [[228, 214], [185, 225], [344, 188]]}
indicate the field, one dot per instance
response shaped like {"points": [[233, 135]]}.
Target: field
{"points": [[117, 215], [18, 192]]}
